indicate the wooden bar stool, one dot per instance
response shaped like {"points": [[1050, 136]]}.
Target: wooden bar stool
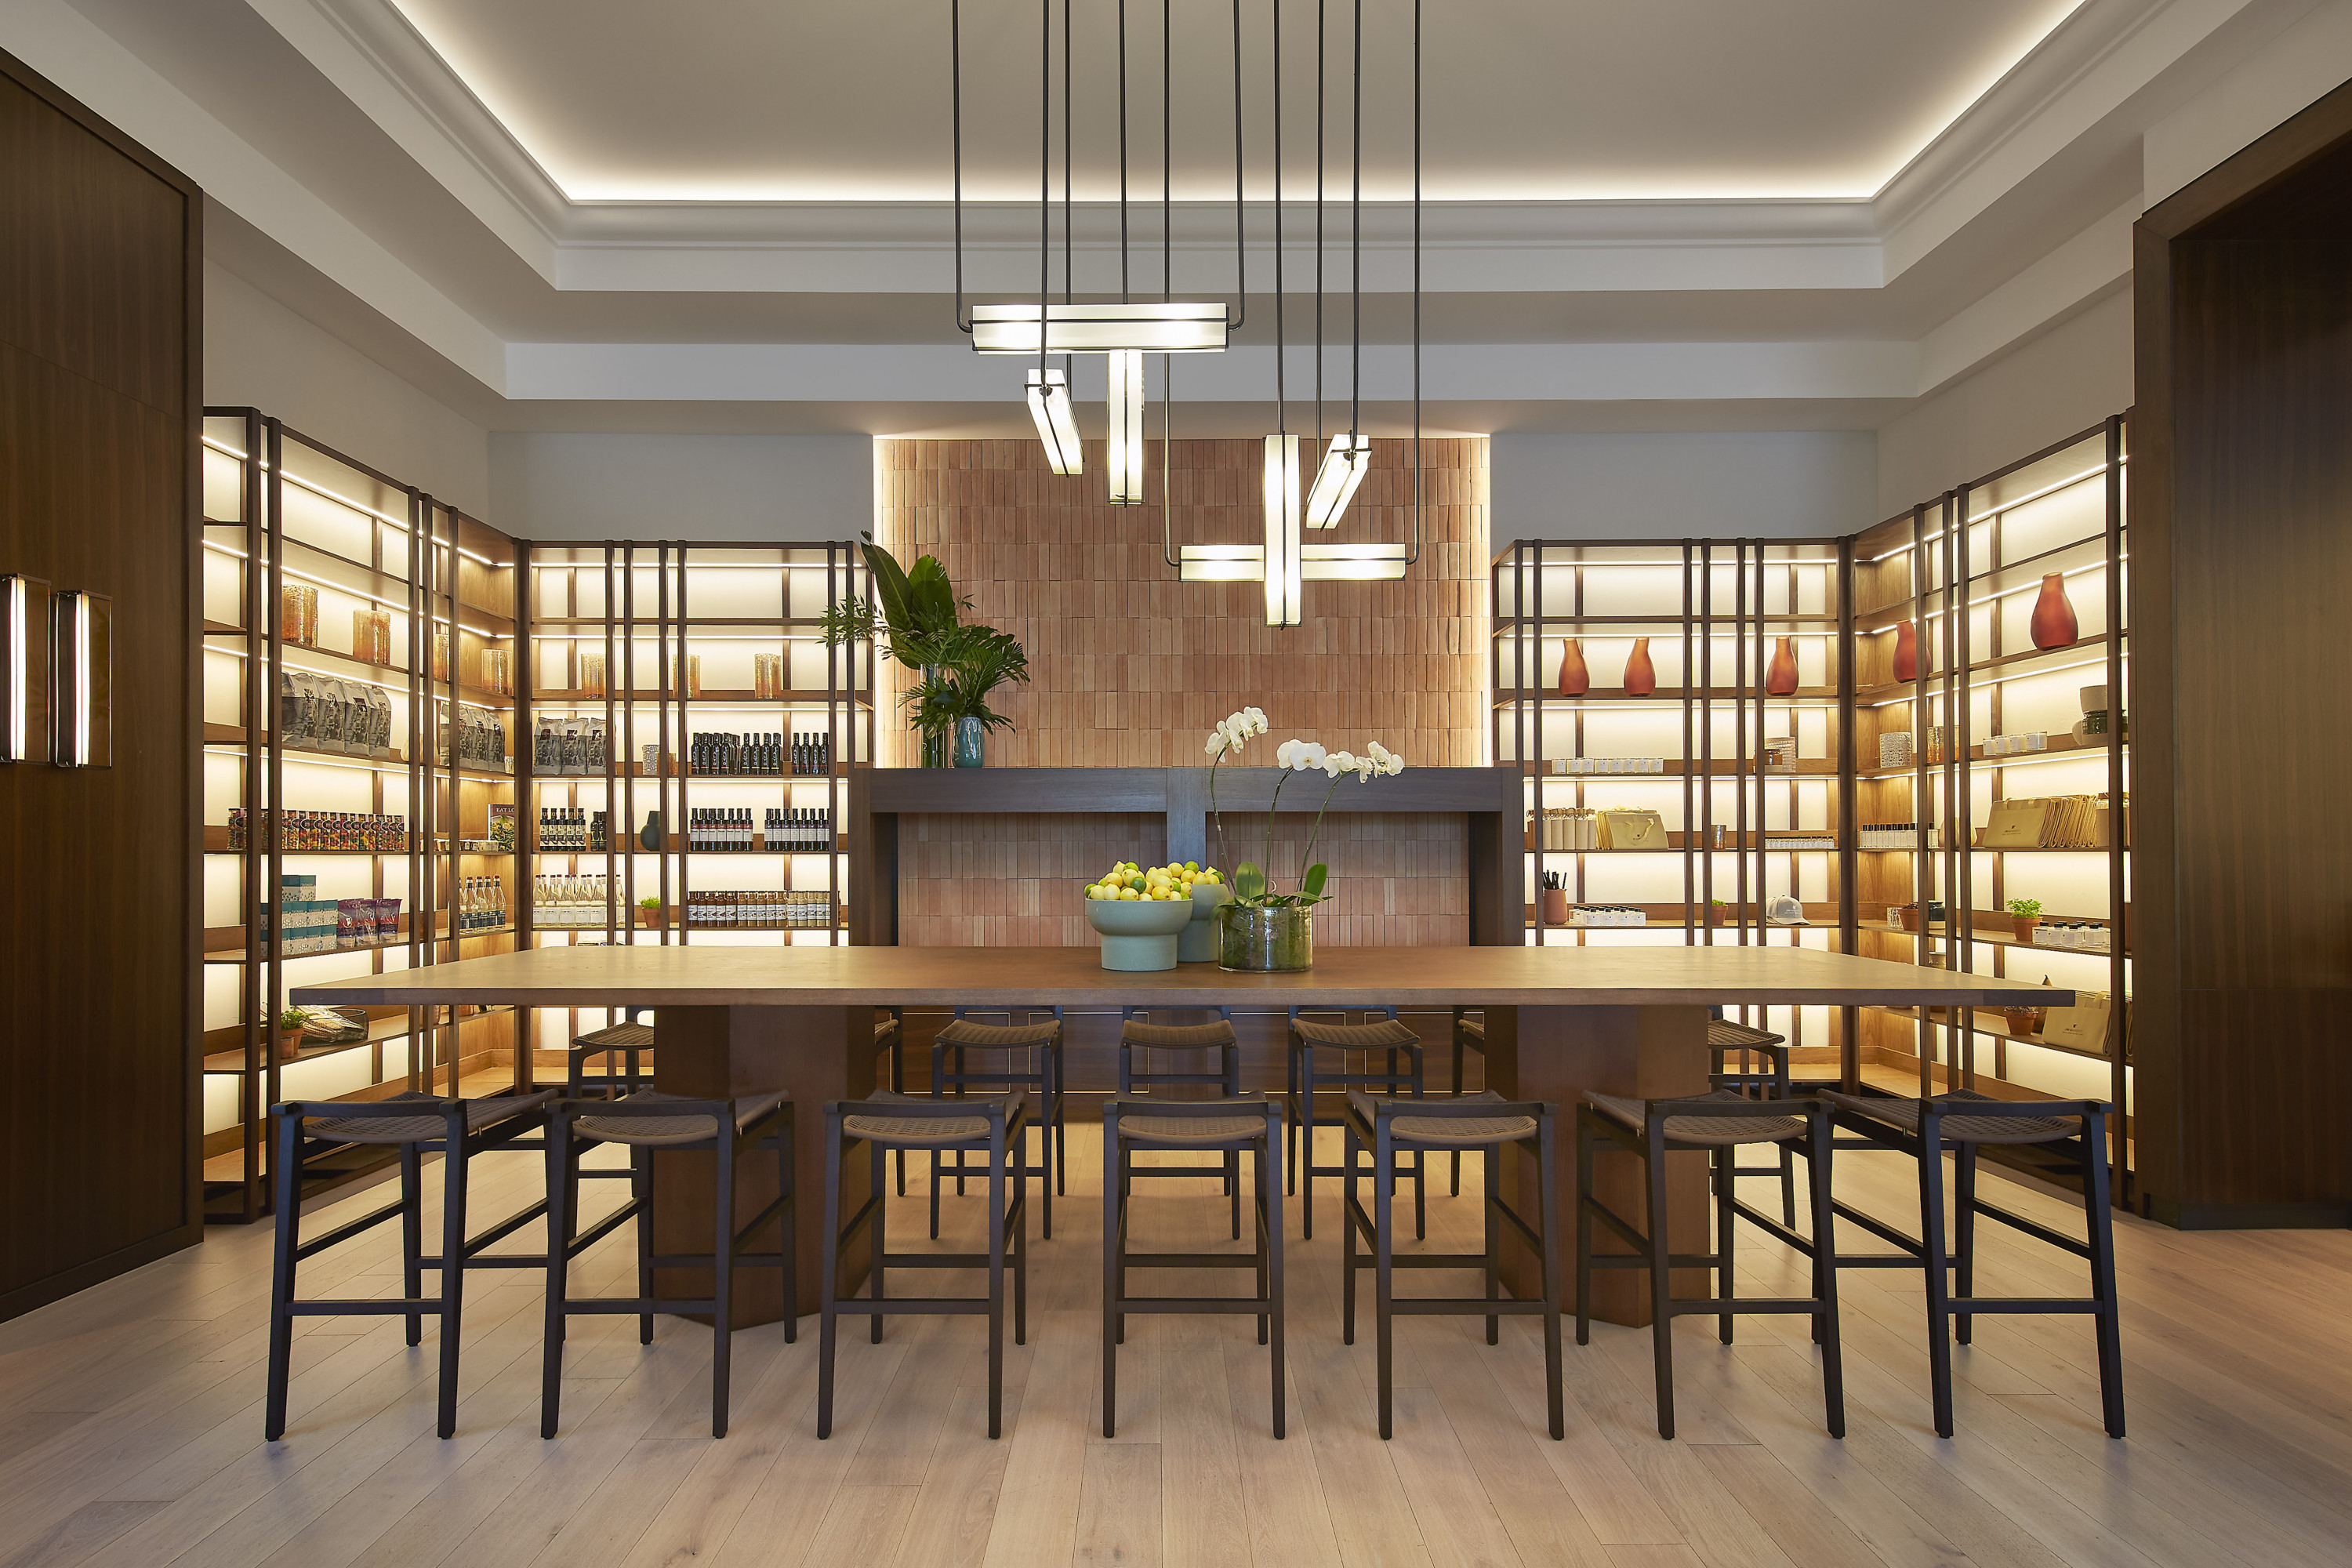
{"points": [[1230, 1126], [1469, 1035], [1382, 1129], [991, 1124], [730, 1131], [415, 1123], [1044, 1080], [2076, 1131], [1724, 1036], [1385, 1033], [1138, 1036], [628, 1039], [890, 1040], [1716, 1124]]}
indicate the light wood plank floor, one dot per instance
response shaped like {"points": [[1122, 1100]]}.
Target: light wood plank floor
{"points": [[131, 1423]]}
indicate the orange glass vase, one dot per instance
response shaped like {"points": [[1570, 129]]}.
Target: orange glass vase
{"points": [[2054, 623], [1907, 651], [1781, 676], [1641, 675], [1574, 678]]}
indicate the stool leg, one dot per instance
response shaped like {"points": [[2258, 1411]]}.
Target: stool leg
{"points": [[284, 1246], [641, 1189], [1114, 1248], [560, 1211], [1788, 1150], [939, 1084], [1584, 1232], [878, 1247], [1257, 1220], [1420, 1158], [898, 1086], [828, 1285], [1493, 1170], [1118, 1251], [1347, 1233], [788, 1230], [1017, 1243], [1724, 1197], [1048, 1170], [453, 1273], [1660, 1249], [1269, 1186], [1826, 1320], [1964, 1237], [1290, 1100], [722, 1272], [1456, 1190], [1548, 1209], [1061, 1120], [1307, 1145], [997, 1156], [1383, 1242], [2100, 1233], [412, 1238], [1940, 1296]]}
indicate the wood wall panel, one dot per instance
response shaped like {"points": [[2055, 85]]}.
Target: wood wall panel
{"points": [[99, 365], [1130, 666]]}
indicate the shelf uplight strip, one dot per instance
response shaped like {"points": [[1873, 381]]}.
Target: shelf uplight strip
{"points": [[2011, 592], [358, 592], [318, 489], [1991, 512], [358, 679], [1932, 695]]}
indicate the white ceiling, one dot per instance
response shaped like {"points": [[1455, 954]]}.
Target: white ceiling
{"points": [[1663, 214], [1524, 99]]}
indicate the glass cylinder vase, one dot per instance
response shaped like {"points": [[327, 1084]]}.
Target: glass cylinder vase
{"points": [[1264, 940], [934, 737], [970, 743]]}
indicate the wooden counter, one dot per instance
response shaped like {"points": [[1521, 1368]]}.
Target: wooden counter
{"points": [[1560, 1021]]}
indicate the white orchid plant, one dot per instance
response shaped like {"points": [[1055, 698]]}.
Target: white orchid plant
{"points": [[1252, 884]]}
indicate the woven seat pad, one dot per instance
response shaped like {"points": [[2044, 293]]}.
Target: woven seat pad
{"points": [[1177, 1036], [667, 1132], [999, 1037], [1724, 1034], [1716, 1132], [1466, 1131], [1219, 1120], [1476, 1029], [1984, 1129], [883, 1028], [479, 1113], [616, 1037], [920, 1132], [1377, 1035]]}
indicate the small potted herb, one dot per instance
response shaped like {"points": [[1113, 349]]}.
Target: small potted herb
{"points": [[649, 913], [291, 1021], [2025, 914], [1718, 911], [2025, 1023]]}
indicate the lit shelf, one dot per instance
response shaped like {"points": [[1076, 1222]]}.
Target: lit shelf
{"points": [[1671, 696], [1676, 767], [1981, 934], [1987, 1021], [2059, 659], [673, 846], [1670, 625], [742, 698], [240, 955], [2023, 575], [647, 619]]}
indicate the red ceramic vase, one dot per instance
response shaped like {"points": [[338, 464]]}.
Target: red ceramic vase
{"points": [[1780, 676], [1907, 651], [1641, 675], [1574, 678], [2054, 623]]}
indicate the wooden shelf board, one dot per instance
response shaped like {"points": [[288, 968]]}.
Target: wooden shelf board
{"points": [[1664, 694], [1989, 1021], [1899, 690]]}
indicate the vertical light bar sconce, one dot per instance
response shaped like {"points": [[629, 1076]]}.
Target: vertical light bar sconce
{"points": [[1282, 503], [1125, 401], [24, 676], [84, 700], [1049, 405]]}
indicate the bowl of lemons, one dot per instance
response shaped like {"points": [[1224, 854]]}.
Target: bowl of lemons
{"points": [[1140, 911]]}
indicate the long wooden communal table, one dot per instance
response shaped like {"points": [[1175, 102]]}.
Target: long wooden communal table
{"points": [[1560, 1021]]}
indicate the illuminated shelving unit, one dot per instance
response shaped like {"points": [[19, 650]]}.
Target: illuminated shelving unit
{"points": [[282, 513]]}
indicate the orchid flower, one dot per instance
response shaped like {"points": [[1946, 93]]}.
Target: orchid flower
{"points": [[1298, 755]]}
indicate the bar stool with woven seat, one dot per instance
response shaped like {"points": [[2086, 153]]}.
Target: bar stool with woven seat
{"points": [[1716, 1124], [1379, 1130], [1469, 1035], [1230, 1126], [890, 1040], [415, 1123], [1965, 1121], [1044, 1080], [629, 1040], [1138, 1035], [730, 1131], [1771, 1081], [989, 1124], [1386, 1033]]}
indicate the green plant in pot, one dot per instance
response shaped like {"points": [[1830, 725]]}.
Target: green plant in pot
{"points": [[291, 1022], [917, 613], [649, 913], [1262, 927], [2025, 914]]}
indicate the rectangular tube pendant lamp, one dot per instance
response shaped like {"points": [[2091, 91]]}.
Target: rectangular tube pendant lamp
{"points": [[84, 702], [1157, 328], [1049, 405], [1335, 482], [24, 680], [1124, 457], [1282, 506]]}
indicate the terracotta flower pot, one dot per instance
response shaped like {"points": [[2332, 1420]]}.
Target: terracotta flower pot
{"points": [[2026, 924], [289, 1044], [1907, 651], [2022, 1020], [1575, 681], [1719, 915], [649, 920], [1781, 676], [1641, 675], [2054, 623], [1555, 906]]}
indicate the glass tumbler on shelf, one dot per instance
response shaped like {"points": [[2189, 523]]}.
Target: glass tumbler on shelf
{"points": [[767, 675], [591, 675], [297, 615]]}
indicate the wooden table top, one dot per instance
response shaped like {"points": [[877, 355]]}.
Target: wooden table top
{"points": [[714, 976]]}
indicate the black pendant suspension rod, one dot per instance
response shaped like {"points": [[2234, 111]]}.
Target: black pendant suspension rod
{"points": [[1122, 142], [1167, 156], [955, 96], [1241, 250], [1319, 122], [1044, 173], [1069, 225], [1356, 248], [1416, 285], [1281, 392]]}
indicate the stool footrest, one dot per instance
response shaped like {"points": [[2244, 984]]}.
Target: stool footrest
{"points": [[917, 1306], [378, 1305], [1961, 1306], [1190, 1259], [634, 1306], [948, 1259], [1465, 1307], [1746, 1307], [708, 1259], [1236, 1306]]}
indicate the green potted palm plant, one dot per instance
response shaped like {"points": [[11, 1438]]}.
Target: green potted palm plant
{"points": [[917, 614]]}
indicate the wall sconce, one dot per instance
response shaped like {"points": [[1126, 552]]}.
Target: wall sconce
{"points": [[24, 668], [84, 694]]}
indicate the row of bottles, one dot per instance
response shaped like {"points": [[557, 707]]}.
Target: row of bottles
{"points": [[324, 831], [720, 755], [802, 832], [760, 910], [481, 904], [570, 903], [570, 829], [714, 829], [720, 828]]}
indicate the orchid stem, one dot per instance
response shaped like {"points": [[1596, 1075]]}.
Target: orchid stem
{"points": [[1317, 832], [1271, 806]]}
